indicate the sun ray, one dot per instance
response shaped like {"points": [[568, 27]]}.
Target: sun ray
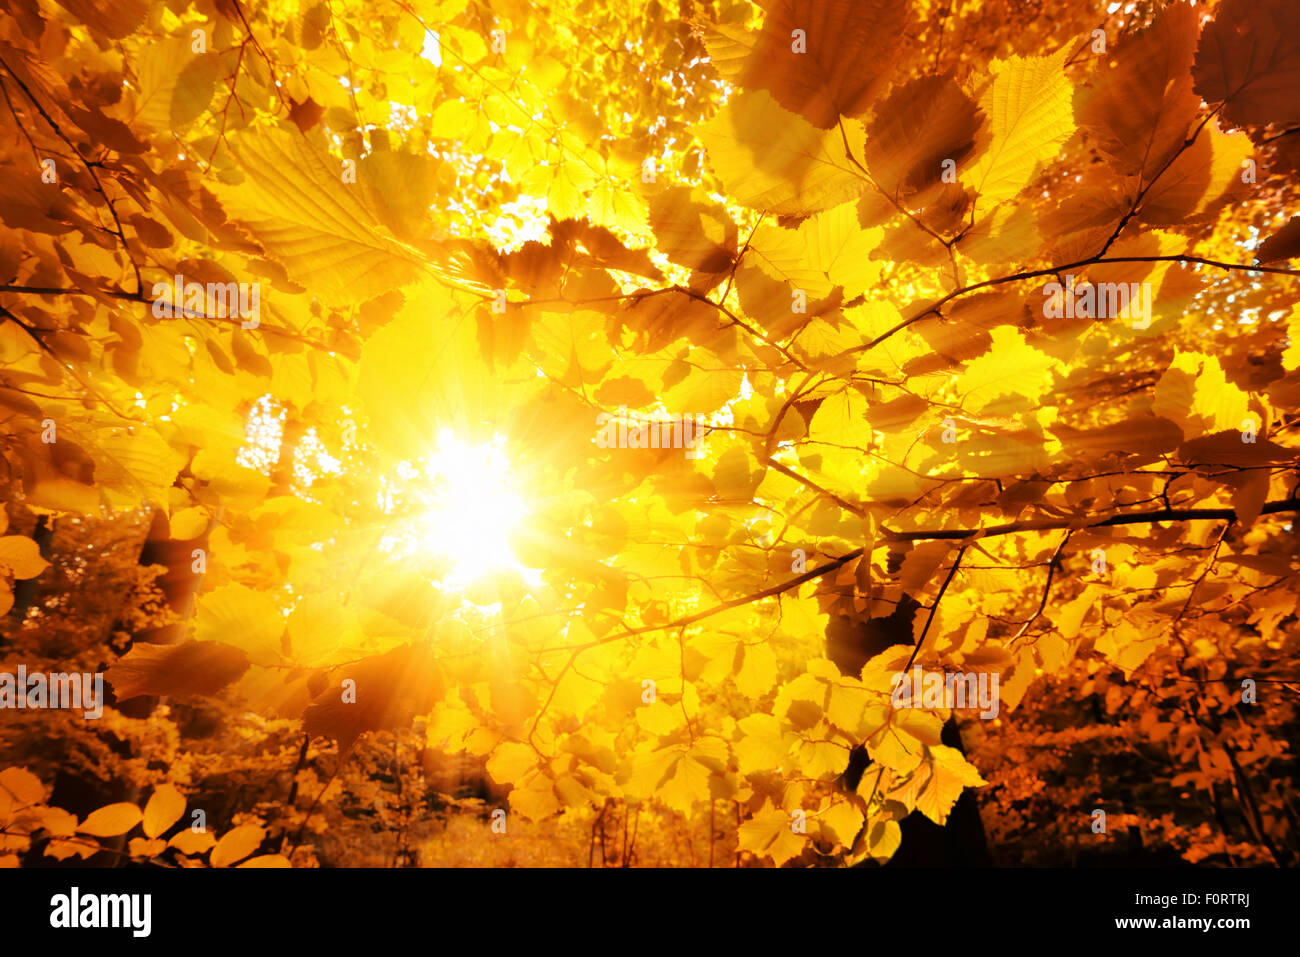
{"points": [[465, 504]]}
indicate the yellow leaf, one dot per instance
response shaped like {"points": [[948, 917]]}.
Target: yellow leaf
{"points": [[421, 373], [649, 769], [1194, 392], [950, 772], [688, 784], [770, 833], [58, 822], [883, 839], [843, 820], [855, 710], [535, 800], [771, 159], [173, 85], [821, 760], [783, 254], [841, 249], [447, 727], [511, 761], [1010, 368], [659, 718], [454, 119], [134, 465], [1070, 617], [762, 747], [61, 849], [238, 487], [328, 238], [841, 419], [243, 617], [757, 672], [188, 523], [1028, 106], [317, 627]]}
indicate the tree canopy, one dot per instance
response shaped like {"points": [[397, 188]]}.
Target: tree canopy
{"points": [[623, 395]]}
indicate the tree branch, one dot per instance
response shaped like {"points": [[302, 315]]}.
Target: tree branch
{"points": [[933, 308], [935, 607], [889, 535]]}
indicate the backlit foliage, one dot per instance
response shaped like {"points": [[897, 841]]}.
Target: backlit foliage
{"points": [[477, 225]]}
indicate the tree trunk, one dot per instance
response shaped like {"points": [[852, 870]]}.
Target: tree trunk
{"points": [[25, 589]]}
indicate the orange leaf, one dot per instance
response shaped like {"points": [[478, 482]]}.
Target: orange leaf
{"points": [[192, 842], [237, 845], [25, 787], [163, 810], [111, 820], [194, 667]]}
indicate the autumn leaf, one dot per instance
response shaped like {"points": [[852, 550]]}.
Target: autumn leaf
{"points": [[1249, 60], [193, 667], [145, 848], [950, 772], [327, 236], [630, 396], [164, 809], [1029, 110], [192, 842], [822, 60], [922, 124], [236, 844], [1141, 101], [1283, 244], [21, 787], [111, 820], [306, 114], [379, 692], [770, 833], [21, 557], [772, 160], [241, 618]]}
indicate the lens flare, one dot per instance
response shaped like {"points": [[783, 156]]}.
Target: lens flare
{"points": [[467, 509]]}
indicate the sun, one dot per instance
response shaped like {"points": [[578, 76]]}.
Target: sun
{"points": [[468, 508]]}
